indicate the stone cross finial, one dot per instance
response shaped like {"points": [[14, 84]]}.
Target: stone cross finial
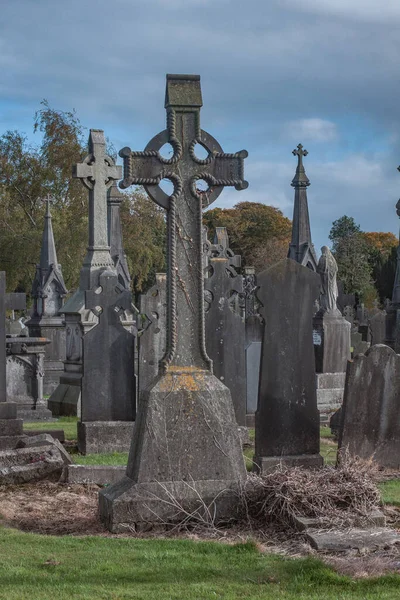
{"points": [[300, 179], [184, 210], [97, 173], [49, 199]]}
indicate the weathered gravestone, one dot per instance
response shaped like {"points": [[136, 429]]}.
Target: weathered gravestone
{"points": [[377, 326], [10, 426], [370, 423], [153, 310], [48, 292], [253, 344], [287, 419], [392, 337], [225, 325], [331, 334], [25, 377], [185, 444]]}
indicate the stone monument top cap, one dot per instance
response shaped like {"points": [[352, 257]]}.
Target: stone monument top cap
{"points": [[183, 90]]}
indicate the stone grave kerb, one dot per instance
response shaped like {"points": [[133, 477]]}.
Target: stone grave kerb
{"points": [[185, 429]]}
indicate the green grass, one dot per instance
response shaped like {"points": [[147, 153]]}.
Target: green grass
{"points": [[390, 491], [325, 432], [66, 423], [37, 567], [112, 458]]}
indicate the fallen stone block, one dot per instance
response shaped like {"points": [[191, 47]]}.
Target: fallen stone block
{"points": [[365, 540], [25, 465], [43, 440], [57, 434]]}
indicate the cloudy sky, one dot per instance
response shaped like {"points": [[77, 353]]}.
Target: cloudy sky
{"points": [[274, 73]]}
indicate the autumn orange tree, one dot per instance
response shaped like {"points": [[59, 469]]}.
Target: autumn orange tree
{"points": [[259, 233]]}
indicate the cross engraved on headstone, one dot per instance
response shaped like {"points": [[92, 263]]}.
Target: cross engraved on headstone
{"points": [[7, 302], [184, 210], [97, 172], [110, 297]]}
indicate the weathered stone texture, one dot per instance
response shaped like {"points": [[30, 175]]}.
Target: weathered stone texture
{"points": [[287, 419], [370, 418]]}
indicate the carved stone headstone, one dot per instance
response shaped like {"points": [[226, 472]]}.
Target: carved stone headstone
{"points": [[25, 377], [10, 426], [153, 309], [377, 326], [185, 441], [225, 325], [48, 292], [370, 413], [287, 419], [254, 335]]}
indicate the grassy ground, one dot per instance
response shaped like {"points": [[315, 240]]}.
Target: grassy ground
{"points": [[66, 423], [37, 567], [391, 493]]}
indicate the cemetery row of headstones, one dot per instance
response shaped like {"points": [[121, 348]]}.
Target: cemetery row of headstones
{"points": [[203, 312]]}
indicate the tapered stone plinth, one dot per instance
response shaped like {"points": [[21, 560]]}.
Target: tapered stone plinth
{"points": [[185, 447]]}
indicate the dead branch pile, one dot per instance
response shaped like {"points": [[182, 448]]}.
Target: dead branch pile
{"points": [[338, 496]]}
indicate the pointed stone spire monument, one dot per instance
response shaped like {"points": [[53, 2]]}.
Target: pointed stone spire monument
{"points": [[185, 444], [48, 293], [301, 248], [393, 310]]}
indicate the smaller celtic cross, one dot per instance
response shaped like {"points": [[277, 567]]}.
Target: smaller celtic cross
{"points": [[110, 298], [300, 179], [97, 173]]}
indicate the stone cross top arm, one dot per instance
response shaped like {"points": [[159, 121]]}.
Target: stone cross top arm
{"points": [[184, 169], [97, 172]]}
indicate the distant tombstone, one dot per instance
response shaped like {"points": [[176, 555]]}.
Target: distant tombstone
{"points": [[108, 358], [377, 326], [358, 345], [348, 313], [370, 413], [287, 419], [224, 324], [10, 425], [153, 310], [254, 335]]}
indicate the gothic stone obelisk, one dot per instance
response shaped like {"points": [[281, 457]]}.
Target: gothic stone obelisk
{"points": [[48, 292], [185, 441], [10, 426]]}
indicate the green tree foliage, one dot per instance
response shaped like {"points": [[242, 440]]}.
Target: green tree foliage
{"points": [[259, 233], [28, 173], [144, 231], [366, 260]]}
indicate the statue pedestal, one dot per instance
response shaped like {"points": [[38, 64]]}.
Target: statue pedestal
{"points": [[331, 333]]}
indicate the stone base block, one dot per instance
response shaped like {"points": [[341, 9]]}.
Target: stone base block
{"points": [[267, 464], [251, 420], [30, 464], [8, 410], [30, 415], [11, 427], [129, 506], [97, 474], [65, 401], [104, 436], [327, 381], [365, 540], [328, 401]]}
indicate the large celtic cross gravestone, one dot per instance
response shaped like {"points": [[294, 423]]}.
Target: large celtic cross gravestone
{"points": [[185, 441]]}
